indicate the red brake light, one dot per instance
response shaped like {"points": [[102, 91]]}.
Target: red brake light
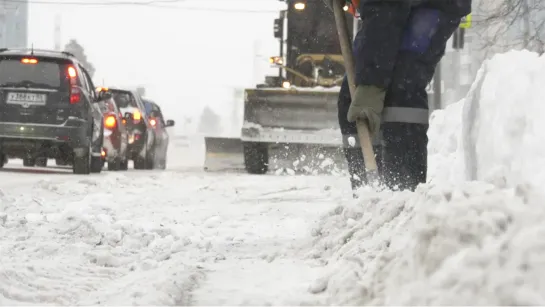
{"points": [[29, 61], [110, 121], [75, 92], [75, 95]]}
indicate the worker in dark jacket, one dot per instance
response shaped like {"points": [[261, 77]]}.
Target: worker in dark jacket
{"points": [[396, 51]]}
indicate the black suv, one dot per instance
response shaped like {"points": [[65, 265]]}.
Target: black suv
{"points": [[47, 110]]}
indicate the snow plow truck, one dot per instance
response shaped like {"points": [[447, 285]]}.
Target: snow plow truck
{"points": [[290, 121]]}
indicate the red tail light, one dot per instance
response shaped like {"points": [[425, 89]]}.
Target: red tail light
{"points": [[110, 122], [75, 92]]}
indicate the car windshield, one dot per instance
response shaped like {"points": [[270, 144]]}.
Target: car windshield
{"points": [[43, 74], [124, 99]]}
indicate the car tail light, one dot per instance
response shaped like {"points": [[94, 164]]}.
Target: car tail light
{"points": [[75, 92], [136, 116], [29, 61], [110, 122]]}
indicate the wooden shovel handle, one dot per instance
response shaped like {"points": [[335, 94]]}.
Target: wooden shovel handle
{"points": [[346, 48]]}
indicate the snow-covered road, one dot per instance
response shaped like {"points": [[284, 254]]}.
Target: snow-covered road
{"points": [[473, 235], [158, 238]]}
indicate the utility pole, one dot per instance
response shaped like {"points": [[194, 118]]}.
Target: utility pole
{"points": [[58, 32], [3, 24]]}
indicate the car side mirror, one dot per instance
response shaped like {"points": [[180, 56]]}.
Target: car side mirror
{"points": [[128, 116], [104, 95], [170, 123]]}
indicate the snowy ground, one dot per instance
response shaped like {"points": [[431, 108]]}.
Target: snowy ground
{"points": [[158, 238], [472, 236]]}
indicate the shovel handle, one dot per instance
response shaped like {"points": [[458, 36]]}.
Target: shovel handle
{"points": [[346, 48]]}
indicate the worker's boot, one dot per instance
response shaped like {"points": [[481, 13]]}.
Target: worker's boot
{"points": [[405, 155], [356, 166]]}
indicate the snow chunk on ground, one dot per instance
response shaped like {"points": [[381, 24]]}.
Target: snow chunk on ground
{"points": [[454, 241]]}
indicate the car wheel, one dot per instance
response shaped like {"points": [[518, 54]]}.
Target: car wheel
{"points": [[82, 165], [140, 162], [96, 164], [162, 165], [29, 162], [41, 162], [4, 160], [150, 161]]}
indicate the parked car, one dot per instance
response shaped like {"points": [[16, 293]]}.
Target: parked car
{"points": [[116, 134], [141, 133], [160, 146], [47, 110]]}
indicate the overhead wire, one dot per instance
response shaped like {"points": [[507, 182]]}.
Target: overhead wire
{"points": [[164, 4]]}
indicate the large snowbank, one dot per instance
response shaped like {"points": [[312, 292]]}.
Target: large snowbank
{"points": [[475, 233]]}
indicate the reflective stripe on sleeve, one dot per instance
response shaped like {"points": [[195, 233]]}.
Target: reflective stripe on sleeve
{"points": [[405, 115]]}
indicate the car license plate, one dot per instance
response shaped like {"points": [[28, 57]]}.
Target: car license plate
{"points": [[26, 99]]}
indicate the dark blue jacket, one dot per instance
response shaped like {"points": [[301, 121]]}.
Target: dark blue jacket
{"points": [[391, 26]]}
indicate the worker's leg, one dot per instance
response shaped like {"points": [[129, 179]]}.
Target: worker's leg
{"points": [[351, 146], [405, 116], [375, 48]]}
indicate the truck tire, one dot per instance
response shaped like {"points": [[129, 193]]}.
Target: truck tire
{"points": [[256, 158]]}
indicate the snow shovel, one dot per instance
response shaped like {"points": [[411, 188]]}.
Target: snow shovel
{"points": [[363, 129]]}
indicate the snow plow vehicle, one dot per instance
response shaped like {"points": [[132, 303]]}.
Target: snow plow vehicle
{"points": [[290, 122]]}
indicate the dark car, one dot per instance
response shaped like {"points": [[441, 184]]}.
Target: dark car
{"points": [[47, 110], [116, 134], [157, 121], [141, 133]]}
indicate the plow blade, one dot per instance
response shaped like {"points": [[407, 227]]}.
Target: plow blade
{"points": [[292, 109], [299, 128], [223, 154]]}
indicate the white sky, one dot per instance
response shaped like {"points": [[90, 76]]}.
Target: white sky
{"points": [[186, 58]]}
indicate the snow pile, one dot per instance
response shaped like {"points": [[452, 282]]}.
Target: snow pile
{"points": [[71, 242], [454, 241]]}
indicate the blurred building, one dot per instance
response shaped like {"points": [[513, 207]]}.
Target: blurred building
{"points": [[14, 23]]}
